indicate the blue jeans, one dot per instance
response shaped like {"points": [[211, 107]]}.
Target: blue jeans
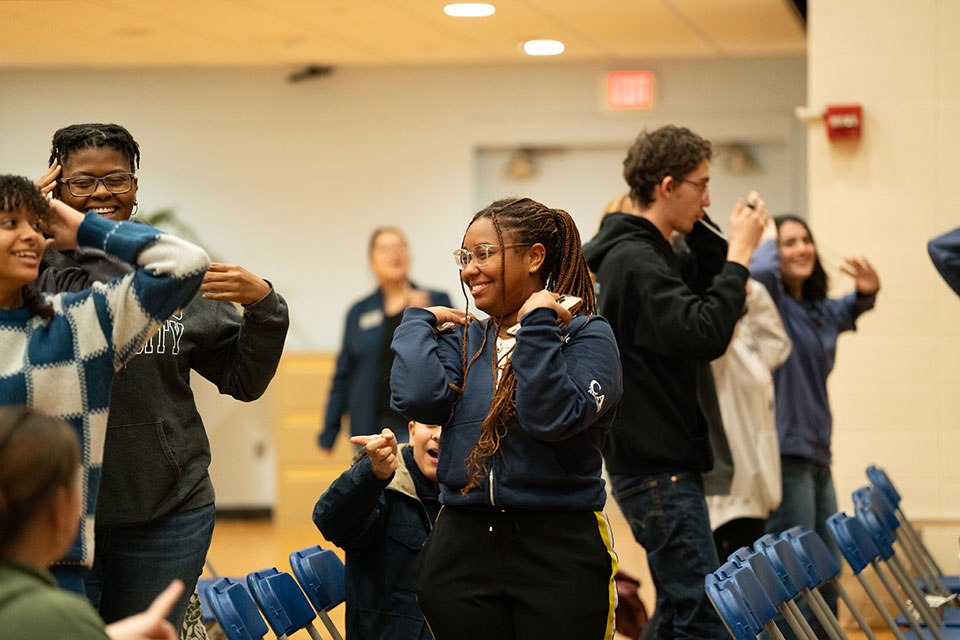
{"points": [[668, 517], [133, 564], [809, 498], [70, 578]]}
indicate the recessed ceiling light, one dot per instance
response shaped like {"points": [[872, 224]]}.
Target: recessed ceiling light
{"points": [[469, 9], [543, 47]]}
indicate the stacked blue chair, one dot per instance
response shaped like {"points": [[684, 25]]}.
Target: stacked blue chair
{"points": [[931, 575], [873, 499], [321, 576], [741, 602], [823, 570], [860, 550], [235, 610], [780, 592], [282, 603], [730, 606], [869, 511]]}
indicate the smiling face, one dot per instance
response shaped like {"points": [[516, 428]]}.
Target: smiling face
{"points": [[689, 198], [797, 253], [389, 257], [99, 162], [519, 281], [425, 439], [21, 247]]}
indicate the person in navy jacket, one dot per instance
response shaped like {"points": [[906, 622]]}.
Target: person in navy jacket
{"points": [[521, 547], [380, 511], [944, 250], [788, 264], [361, 384]]}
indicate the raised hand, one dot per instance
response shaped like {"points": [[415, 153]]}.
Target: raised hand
{"points": [[544, 298], [382, 450], [152, 623], [865, 277], [61, 224], [447, 314], [48, 181], [233, 283], [747, 222]]}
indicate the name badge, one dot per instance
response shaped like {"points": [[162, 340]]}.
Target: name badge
{"points": [[371, 319]]}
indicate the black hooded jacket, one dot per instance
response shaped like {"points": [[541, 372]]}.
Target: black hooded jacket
{"points": [[671, 313]]}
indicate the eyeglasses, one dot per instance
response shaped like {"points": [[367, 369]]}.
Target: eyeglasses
{"points": [[701, 184], [115, 183], [481, 253]]}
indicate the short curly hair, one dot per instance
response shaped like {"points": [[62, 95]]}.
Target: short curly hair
{"points": [[667, 151], [17, 192], [69, 140]]}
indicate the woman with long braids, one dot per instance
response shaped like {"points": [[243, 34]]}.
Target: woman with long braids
{"points": [[521, 548]]}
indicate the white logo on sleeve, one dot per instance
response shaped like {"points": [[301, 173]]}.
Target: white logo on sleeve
{"points": [[598, 397]]}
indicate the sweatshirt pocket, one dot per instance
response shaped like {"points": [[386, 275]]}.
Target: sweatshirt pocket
{"points": [[139, 473]]}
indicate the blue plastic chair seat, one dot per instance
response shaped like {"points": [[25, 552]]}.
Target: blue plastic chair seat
{"points": [[950, 583], [281, 601], [951, 618], [235, 610], [321, 574]]}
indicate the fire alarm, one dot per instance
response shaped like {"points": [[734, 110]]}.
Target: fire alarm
{"points": [[844, 122]]}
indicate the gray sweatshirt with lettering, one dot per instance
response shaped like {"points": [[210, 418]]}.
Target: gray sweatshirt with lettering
{"points": [[156, 456]]}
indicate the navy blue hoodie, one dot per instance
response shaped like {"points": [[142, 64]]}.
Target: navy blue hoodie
{"points": [[568, 387]]}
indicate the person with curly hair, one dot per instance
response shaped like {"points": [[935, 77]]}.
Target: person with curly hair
{"points": [[59, 353], [671, 314]]}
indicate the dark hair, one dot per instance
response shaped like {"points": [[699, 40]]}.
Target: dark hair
{"points": [[69, 140], [815, 287], [564, 270], [38, 455], [380, 231], [16, 193], [667, 151]]}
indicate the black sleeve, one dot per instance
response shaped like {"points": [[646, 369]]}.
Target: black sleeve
{"points": [[350, 513], [668, 316], [708, 254], [242, 353]]}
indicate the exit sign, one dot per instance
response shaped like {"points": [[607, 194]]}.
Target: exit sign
{"points": [[629, 89]]}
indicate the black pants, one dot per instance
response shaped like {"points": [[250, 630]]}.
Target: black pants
{"points": [[742, 532], [523, 575]]}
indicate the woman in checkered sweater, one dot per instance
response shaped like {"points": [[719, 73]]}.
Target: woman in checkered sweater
{"points": [[58, 353]]}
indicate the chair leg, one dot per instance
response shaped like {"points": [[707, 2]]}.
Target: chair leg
{"points": [[847, 600], [904, 609], [878, 605]]}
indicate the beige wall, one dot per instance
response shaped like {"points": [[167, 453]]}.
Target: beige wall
{"points": [[289, 179], [897, 381]]}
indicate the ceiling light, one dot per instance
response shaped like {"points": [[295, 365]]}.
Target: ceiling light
{"points": [[543, 47], [469, 9]]}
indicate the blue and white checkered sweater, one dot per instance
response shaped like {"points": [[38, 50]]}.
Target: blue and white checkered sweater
{"points": [[64, 367]]}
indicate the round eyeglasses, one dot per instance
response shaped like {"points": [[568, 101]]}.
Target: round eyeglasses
{"points": [[115, 183], [480, 254]]}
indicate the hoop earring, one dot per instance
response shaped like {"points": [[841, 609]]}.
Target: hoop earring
{"points": [[136, 207]]}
